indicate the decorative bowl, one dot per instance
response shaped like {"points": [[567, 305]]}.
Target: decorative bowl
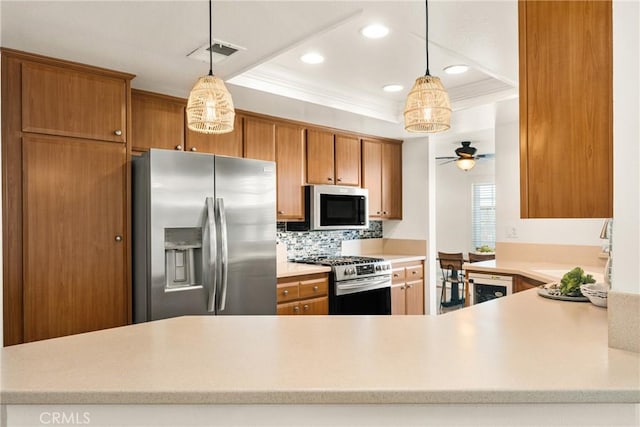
{"points": [[596, 292]]}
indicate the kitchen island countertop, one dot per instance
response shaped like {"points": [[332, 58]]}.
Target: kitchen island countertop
{"points": [[520, 349]]}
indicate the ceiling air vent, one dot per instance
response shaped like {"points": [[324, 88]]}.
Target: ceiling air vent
{"points": [[221, 51]]}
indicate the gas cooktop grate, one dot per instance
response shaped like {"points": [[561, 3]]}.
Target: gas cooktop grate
{"points": [[342, 260]]}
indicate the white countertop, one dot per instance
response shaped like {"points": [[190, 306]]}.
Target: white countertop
{"points": [[519, 349], [289, 269], [397, 258], [546, 272]]}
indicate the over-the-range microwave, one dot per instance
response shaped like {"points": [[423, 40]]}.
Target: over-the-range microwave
{"points": [[333, 207]]}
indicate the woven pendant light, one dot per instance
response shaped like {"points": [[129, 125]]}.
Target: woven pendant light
{"points": [[210, 107], [427, 108]]}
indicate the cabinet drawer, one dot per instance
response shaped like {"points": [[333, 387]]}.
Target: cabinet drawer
{"points": [[288, 292], [414, 272], [397, 275], [59, 101], [289, 308], [313, 288]]}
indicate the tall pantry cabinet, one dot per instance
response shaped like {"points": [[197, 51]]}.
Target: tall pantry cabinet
{"points": [[65, 129]]}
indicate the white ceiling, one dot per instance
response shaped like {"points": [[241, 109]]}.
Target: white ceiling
{"points": [[152, 40]]}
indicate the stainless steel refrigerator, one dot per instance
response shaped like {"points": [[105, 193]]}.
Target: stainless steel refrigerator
{"points": [[204, 231]]}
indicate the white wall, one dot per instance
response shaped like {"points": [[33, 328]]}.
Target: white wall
{"points": [[415, 192], [509, 226], [626, 137], [454, 204]]}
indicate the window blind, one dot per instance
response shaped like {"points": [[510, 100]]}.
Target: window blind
{"points": [[483, 215]]}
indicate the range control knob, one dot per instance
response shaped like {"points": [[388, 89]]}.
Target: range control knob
{"points": [[378, 267], [349, 271]]}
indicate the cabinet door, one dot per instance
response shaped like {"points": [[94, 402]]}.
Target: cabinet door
{"points": [[157, 121], [59, 101], [288, 309], [347, 164], [392, 181], [316, 306], [290, 161], [225, 144], [414, 297], [372, 175], [74, 211], [398, 299], [259, 139], [566, 138], [522, 283], [320, 157]]}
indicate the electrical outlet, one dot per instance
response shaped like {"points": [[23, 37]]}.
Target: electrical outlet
{"points": [[512, 232]]}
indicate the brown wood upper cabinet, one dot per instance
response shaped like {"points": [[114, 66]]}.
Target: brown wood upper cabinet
{"points": [[290, 171], [566, 106], [332, 158], [382, 176], [157, 121], [69, 102], [283, 143], [226, 144]]}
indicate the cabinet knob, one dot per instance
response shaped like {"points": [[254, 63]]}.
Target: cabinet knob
{"points": [[329, 179], [402, 287], [395, 275], [179, 147], [296, 308], [285, 292], [339, 179], [117, 132], [414, 272], [409, 286], [193, 149], [118, 238], [378, 213], [384, 213], [280, 212], [315, 288], [305, 307]]}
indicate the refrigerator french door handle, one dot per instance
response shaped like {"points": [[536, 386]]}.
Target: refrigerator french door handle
{"points": [[213, 255], [224, 256]]}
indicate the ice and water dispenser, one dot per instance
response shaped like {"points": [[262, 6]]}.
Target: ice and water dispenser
{"points": [[183, 258]]}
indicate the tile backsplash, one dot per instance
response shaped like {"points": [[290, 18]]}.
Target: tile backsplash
{"points": [[302, 244]]}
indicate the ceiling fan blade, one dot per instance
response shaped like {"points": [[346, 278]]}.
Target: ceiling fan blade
{"points": [[446, 158], [448, 161], [486, 156]]}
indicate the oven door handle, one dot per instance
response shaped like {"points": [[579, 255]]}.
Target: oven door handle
{"points": [[365, 283]]}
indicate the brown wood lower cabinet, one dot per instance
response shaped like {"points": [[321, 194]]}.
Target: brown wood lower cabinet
{"points": [[306, 294], [407, 289], [523, 283]]}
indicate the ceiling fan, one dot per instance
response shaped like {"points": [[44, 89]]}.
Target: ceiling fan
{"points": [[465, 156]]}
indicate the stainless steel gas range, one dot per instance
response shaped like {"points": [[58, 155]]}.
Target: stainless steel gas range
{"points": [[357, 285]]}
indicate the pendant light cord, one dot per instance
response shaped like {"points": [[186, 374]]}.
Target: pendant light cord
{"points": [[211, 42], [426, 32]]}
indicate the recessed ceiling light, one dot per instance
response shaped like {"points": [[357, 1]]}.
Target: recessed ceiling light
{"points": [[312, 58], [392, 88], [456, 69], [374, 31]]}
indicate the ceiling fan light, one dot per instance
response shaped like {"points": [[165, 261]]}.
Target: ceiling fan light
{"points": [[427, 108], [210, 107], [466, 163]]}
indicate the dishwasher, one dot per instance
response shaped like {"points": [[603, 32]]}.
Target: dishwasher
{"points": [[485, 287]]}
